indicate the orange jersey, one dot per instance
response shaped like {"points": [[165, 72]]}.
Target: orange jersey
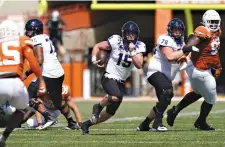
{"points": [[13, 52], [12, 55], [208, 56], [65, 95], [65, 92]]}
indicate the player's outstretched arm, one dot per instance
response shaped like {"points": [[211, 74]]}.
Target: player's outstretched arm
{"points": [[38, 53], [39, 118], [34, 65], [75, 110]]}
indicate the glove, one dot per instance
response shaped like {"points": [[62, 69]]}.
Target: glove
{"points": [[216, 71], [190, 49], [182, 59]]}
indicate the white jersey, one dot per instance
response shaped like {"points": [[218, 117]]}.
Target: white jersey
{"points": [[120, 62], [159, 63], [51, 66]]}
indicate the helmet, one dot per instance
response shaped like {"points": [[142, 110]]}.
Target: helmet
{"points": [[33, 27], [175, 23], [55, 15], [8, 28], [130, 27], [211, 19]]}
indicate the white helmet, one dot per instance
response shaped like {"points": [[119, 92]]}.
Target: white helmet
{"points": [[211, 19], [55, 15], [8, 28]]}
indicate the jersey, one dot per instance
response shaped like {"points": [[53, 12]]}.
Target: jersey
{"points": [[159, 63], [51, 66], [65, 95], [120, 61], [208, 56], [12, 55]]}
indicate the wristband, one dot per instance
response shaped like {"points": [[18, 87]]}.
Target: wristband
{"points": [[93, 59]]}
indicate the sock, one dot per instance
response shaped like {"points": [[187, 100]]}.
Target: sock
{"points": [[100, 107], [151, 116], [205, 110], [188, 99], [70, 119], [46, 115], [89, 123], [147, 121]]}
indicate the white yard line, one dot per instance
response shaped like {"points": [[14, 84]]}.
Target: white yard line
{"points": [[129, 119], [141, 118], [138, 99]]}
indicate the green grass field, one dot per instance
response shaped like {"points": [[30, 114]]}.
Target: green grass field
{"points": [[120, 131]]}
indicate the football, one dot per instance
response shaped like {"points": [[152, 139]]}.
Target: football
{"points": [[102, 56]]}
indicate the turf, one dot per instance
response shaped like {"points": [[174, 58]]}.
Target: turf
{"points": [[120, 131]]}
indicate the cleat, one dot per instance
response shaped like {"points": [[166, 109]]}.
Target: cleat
{"points": [[2, 141], [203, 126], [47, 124], [143, 127], [85, 128], [171, 116], [72, 125], [160, 128]]}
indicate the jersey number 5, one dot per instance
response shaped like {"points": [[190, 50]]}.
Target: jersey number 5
{"points": [[9, 56], [126, 63]]}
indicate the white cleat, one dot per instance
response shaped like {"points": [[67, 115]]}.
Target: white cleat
{"points": [[2, 141], [47, 124], [160, 129]]}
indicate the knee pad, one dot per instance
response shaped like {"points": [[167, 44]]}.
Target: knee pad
{"points": [[112, 108], [113, 99], [166, 96], [34, 104]]}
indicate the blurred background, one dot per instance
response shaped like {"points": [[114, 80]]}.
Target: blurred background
{"points": [[76, 26]]}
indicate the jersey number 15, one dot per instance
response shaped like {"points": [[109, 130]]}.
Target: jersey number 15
{"points": [[126, 63]]}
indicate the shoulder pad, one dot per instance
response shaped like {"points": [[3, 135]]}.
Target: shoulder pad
{"points": [[114, 40], [140, 47], [202, 32], [37, 40], [165, 41], [26, 41]]}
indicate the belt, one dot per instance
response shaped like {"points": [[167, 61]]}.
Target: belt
{"points": [[13, 76], [118, 80]]}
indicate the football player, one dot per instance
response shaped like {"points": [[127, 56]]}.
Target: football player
{"points": [[126, 52], [207, 38], [14, 50], [52, 70], [162, 70], [67, 104]]}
